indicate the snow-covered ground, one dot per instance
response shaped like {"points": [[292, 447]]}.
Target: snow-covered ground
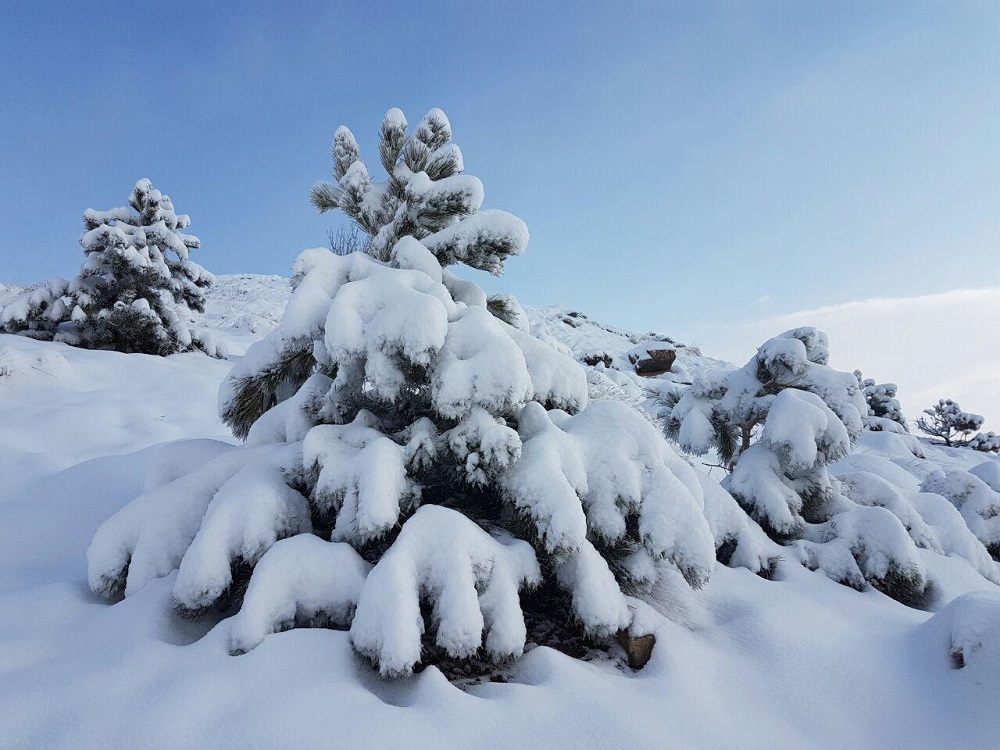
{"points": [[799, 661]]}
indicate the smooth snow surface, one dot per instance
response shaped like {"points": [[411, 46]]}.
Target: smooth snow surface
{"points": [[797, 662]]}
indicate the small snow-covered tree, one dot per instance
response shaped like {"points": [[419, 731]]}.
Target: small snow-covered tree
{"points": [[725, 410], [136, 289], [883, 406], [448, 461], [37, 311], [947, 421], [777, 423]]}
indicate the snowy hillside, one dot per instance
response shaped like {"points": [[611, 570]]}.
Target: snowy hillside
{"points": [[797, 661], [8, 291], [246, 303]]}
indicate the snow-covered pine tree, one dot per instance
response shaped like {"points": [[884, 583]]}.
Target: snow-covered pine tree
{"points": [[414, 465], [786, 412], [161, 225], [777, 423], [136, 289], [947, 421], [884, 411]]}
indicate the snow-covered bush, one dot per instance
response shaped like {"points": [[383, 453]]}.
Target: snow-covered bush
{"points": [[944, 513], [725, 410], [776, 424], [947, 421], [932, 522], [393, 416], [884, 411], [986, 442], [969, 626], [36, 311], [978, 503], [19, 367], [862, 546], [135, 291]]}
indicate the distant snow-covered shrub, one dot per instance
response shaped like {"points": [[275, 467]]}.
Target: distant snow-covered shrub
{"points": [[986, 442]]}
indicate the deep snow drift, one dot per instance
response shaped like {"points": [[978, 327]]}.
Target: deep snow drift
{"points": [[799, 661]]}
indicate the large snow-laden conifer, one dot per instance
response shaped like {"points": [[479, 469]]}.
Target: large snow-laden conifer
{"points": [[136, 290], [454, 453]]}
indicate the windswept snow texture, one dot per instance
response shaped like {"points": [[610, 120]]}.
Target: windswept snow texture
{"points": [[744, 662]]}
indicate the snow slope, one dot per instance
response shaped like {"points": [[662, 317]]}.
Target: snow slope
{"points": [[744, 662]]}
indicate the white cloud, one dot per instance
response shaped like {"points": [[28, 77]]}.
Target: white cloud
{"points": [[935, 346]]}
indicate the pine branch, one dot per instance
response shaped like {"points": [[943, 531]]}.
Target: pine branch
{"points": [[325, 197], [392, 140], [501, 306], [255, 394]]}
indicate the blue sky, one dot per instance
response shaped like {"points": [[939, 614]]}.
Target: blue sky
{"points": [[683, 167]]}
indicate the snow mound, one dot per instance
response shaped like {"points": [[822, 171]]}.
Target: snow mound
{"points": [[17, 366], [971, 624]]}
